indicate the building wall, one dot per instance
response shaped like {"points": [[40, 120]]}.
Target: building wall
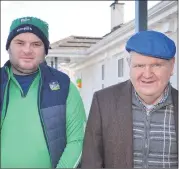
{"points": [[92, 75], [174, 78]]}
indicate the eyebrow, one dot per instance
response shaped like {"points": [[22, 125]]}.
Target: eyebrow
{"points": [[144, 64], [19, 40], [37, 42]]}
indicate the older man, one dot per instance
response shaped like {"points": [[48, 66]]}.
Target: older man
{"points": [[42, 113], [134, 123]]}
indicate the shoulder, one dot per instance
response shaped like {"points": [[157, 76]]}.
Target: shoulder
{"points": [[57, 72], [174, 93], [51, 74], [3, 74], [174, 90], [2, 69], [114, 89]]}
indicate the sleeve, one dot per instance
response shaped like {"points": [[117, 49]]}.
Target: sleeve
{"points": [[92, 156], [75, 126]]}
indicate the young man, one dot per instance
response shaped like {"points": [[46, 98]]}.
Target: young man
{"points": [[42, 113], [134, 124]]}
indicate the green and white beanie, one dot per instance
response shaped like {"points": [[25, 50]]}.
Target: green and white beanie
{"points": [[29, 24]]}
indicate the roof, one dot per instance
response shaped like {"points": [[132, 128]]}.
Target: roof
{"points": [[114, 29], [80, 42]]}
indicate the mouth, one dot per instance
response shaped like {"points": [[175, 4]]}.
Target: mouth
{"points": [[147, 82], [28, 59]]}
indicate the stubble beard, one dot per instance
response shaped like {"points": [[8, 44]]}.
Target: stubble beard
{"points": [[19, 71]]}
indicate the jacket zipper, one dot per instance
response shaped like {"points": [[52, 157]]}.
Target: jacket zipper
{"points": [[41, 119]]}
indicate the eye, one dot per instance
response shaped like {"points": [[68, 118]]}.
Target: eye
{"points": [[37, 44], [156, 65], [139, 66], [19, 43]]}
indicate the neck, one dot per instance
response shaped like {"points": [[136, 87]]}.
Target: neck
{"points": [[151, 100], [21, 72]]}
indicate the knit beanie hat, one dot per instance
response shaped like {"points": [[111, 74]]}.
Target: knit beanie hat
{"points": [[32, 25]]}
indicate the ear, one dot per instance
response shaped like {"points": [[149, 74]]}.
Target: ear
{"points": [[172, 65], [128, 58]]}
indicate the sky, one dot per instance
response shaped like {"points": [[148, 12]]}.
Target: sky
{"points": [[65, 18]]}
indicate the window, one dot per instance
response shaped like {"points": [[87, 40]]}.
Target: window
{"points": [[120, 67], [102, 72], [56, 63], [51, 63]]}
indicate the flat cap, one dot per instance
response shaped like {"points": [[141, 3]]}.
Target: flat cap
{"points": [[152, 43]]}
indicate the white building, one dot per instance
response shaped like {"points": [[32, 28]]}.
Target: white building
{"points": [[101, 62]]}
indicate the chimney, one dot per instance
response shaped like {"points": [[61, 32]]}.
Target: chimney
{"points": [[117, 14]]}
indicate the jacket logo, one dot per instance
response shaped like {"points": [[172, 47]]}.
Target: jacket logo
{"points": [[54, 86]]}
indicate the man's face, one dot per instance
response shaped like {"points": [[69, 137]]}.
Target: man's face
{"points": [[149, 75], [26, 52]]}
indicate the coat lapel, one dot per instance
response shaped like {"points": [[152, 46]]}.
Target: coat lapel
{"points": [[124, 150]]}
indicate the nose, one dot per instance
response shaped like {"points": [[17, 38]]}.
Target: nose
{"points": [[148, 73], [27, 49]]}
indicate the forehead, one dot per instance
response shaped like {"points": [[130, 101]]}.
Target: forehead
{"points": [[139, 58], [29, 37]]}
